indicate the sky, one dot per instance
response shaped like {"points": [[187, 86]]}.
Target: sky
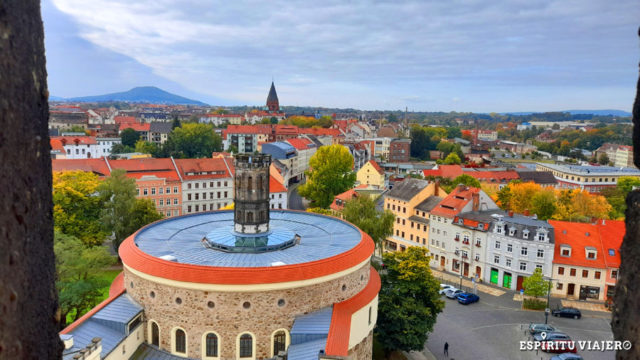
{"points": [[430, 55]]}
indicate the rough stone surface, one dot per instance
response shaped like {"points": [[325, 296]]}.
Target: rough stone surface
{"points": [[363, 350], [626, 315], [28, 300], [228, 317]]}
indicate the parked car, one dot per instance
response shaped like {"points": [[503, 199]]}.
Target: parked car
{"points": [[556, 341], [452, 293], [444, 288], [538, 328], [567, 312], [466, 298], [567, 356]]}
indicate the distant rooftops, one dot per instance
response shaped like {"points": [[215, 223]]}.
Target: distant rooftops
{"points": [[407, 189], [592, 170]]}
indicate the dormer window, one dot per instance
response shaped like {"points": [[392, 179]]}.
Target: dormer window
{"points": [[592, 253], [542, 235], [525, 234], [499, 228], [512, 231], [565, 251]]}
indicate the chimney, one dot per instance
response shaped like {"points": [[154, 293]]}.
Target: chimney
{"points": [[526, 212], [436, 187], [594, 220], [475, 198], [603, 222], [510, 213]]}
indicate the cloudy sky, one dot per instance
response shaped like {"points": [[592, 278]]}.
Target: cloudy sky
{"points": [[430, 55]]}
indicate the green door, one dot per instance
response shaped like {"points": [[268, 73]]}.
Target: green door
{"points": [[506, 281], [494, 276]]}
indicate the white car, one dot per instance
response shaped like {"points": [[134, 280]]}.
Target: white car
{"points": [[444, 288]]}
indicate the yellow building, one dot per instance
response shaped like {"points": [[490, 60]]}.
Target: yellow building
{"points": [[411, 201], [371, 174]]}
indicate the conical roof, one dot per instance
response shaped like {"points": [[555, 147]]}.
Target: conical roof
{"points": [[273, 97]]}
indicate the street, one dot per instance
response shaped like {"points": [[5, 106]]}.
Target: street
{"points": [[494, 327], [296, 202]]}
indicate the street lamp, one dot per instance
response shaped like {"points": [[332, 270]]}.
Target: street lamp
{"points": [[548, 309], [460, 264]]}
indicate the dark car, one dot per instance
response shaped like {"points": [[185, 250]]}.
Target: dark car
{"points": [[467, 298], [555, 342], [567, 312], [567, 356], [452, 293], [538, 328]]}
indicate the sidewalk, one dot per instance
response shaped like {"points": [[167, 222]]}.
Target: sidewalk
{"points": [[585, 305], [419, 355], [455, 279]]}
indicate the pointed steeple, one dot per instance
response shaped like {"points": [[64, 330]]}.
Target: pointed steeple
{"points": [[272, 100]]}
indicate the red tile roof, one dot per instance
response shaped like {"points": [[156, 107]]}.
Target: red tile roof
{"points": [[611, 233], [206, 168], [72, 140], [493, 176], [320, 132], [137, 168], [445, 171], [124, 119], [135, 126], [340, 328], [135, 258], [455, 201], [578, 236], [299, 143], [275, 186], [97, 166]]}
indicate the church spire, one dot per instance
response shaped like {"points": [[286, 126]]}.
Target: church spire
{"points": [[272, 100]]}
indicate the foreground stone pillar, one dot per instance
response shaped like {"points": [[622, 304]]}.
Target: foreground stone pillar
{"points": [[28, 300]]}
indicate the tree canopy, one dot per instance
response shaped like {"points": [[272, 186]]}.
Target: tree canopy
{"points": [[330, 174], [192, 140], [361, 211], [409, 302], [452, 158], [129, 137], [535, 285]]}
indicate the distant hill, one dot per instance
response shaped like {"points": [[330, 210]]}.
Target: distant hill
{"points": [[142, 94], [578, 112]]}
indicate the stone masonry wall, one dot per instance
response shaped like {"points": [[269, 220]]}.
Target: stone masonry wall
{"points": [[228, 317], [363, 350]]}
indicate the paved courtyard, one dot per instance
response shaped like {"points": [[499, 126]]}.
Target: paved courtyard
{"points": [[493, 328]]}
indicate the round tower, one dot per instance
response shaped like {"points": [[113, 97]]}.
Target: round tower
{"points": [[251, 198]]}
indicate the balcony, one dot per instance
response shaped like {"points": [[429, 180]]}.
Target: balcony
{"points": [[464, 256], [466, 242], [478, 245], [457, 238]]}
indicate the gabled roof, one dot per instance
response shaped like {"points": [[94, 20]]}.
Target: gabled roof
{"points": [[444, 171], [206, 168], [161, 127], [611, 234], [578, 236], [407, 189], [376, 166], [138, 168], [96, 166], [429, 203], [455, 201], [493, 176], [275, 186], [538, 177], [301, 144], [73, 140], [135, 126]]}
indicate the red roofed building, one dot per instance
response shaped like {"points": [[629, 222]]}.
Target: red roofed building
{"points": [[221, 119], [305, 148], [340, 200], [277, 194], [444, 171], [586, 259], [498, 177], [371, 174], [77, 147], [206, 183]]}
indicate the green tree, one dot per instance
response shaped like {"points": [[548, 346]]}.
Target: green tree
{"points": [[325, 122], [331, 174], [77, 206], [454, 132], [146, 147], [452, 158], [603, 159], [361, 211], [392, 118], [193, 140], [535, 285], [463, 179], [408, 301], [121, 149], [77, 269], [175, 123], [123, 214], [543, 204], [129, 137], [273, 120]]}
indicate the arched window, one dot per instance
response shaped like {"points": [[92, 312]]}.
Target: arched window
{"points": [[155, 334], [246, 346], [279, 342], [211, 344], [249, 183], [260, 182], [180, 341], [249, 217]]}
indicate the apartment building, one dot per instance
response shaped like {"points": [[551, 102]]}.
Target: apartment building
{"points": [[371, 174], [206, 183], [590, 178], [411, 202]]}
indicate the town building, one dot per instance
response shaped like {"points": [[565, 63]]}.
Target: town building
{"points": [[371, 174], [411, 201], [285, 159], [305, 149], [455, 251], [222, 119], [399, 150], [587, 259], [278, 195], [542, 178], [237, 284], [66, 116], [624, 157], [517, 246], [207, 184], [590, 178], [81, 147], [159, 132]]}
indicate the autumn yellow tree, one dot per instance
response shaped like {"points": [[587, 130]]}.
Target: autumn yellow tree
{"points": [[580, 205], [77, 206]]}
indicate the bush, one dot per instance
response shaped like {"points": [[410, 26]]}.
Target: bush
{"points": [[534, 304]]}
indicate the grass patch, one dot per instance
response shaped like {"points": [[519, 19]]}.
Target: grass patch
{"points": [[534, 304]]}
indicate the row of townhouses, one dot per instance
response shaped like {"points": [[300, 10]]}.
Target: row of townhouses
{"points": [[178, 186], [467, 234]]}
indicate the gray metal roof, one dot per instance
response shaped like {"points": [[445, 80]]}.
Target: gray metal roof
{"points": [[181, 237], [161, 127], [521, 222], [407, 189], [429, 203], [306, 351], [311, 326], [538, 177], [419, 219], [110, 324], [592, 170], [149, 352]]}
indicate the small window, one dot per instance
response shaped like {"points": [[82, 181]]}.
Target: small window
{"points": [[180, 341], [279, 342], [155, 334], [523, 266], [540, 253], [572, 272], [211, 345], [246, 346], [246, 305], [614, 274], [585, 273], [597, 275], [523, 251], [560, 270]]}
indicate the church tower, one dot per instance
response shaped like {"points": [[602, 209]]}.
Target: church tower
{"points": [[272, 100]]}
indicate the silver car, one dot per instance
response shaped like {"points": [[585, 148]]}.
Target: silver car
{"points": [[444, 288], [452, 293], [538, 328]]}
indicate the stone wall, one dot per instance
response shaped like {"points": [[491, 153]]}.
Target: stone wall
{"points": [[364, 350], [228, 316]]}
